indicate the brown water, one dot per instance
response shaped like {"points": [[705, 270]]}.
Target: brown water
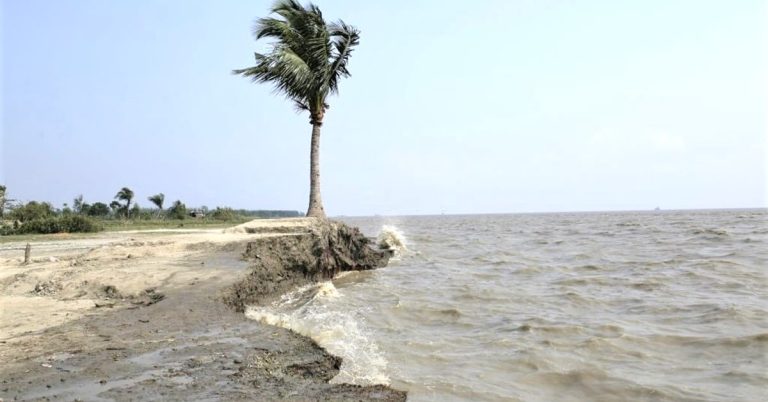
{"points": [[641, 306]]}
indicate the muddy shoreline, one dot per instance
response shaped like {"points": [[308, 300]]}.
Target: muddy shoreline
{"points": [[189, 345]]}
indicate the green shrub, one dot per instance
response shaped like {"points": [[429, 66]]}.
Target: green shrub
{"points": [[31, 211], [79, 224], [223, 214], [6, 230], [98, 209], [178, 210], [135, 211], [64, 224], [42, 225], [143, 214]]}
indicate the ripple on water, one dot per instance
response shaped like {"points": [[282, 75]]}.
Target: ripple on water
{"points": [[640, 306]]}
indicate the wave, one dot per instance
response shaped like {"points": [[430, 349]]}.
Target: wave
{"points": [[629, 224], [757, 341], [305, 311], [588, 267], [584, 383], [670, 308], [391, 238], [491, 261], [450, 312], [747, 340], [429, 315], [550, 327], [647, 285], [586, 281], [710, 231]]}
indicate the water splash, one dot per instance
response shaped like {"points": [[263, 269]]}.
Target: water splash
{"points": [[309, 312], [327, 290], [391, 238]]}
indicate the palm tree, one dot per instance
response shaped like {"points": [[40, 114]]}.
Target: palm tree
{"points": [[305, 63], [158, 200], [125, 194]]}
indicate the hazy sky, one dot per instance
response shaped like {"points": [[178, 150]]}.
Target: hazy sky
{"points": [[453, 106]]}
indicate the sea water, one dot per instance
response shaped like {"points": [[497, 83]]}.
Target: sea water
{"points": [[640, 306]]}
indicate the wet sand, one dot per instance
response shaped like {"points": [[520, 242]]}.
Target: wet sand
{"points": [[160, 332]]}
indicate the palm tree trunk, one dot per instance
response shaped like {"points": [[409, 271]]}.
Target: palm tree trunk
{"points": [[315, 201]]}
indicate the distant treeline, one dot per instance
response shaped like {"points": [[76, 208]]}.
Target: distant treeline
{"points": [[41, 217], [266, 213]]}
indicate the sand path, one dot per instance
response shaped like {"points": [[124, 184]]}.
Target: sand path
{"points": [[72, 277]]}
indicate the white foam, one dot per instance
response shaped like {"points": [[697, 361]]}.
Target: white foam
{"points": [[391, 238], [327, 290], [311, 311]]}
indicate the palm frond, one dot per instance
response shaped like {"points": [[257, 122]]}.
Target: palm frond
{"points": [[274, 28], [308, 57], [345, 38], [300, 106]]}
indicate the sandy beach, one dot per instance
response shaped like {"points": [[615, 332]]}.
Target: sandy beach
{"points": [[137, 315]]}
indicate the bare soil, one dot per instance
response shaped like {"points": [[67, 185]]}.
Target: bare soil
{"points": [[139, 316]]}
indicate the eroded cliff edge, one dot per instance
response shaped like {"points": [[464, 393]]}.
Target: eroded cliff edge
{"points": [[280, 264]]}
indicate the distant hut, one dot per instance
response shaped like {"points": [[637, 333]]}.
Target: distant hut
{"points": [[197, 213]]}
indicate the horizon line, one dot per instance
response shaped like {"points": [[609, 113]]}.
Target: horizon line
{"points": [[765, 208]]}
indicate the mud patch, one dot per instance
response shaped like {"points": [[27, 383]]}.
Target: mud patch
{"points": [[46, 288], [147, 297], [186, 348]]}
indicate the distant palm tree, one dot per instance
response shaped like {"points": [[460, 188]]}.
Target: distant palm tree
{"points": [[125, 194], [306, 63], [158, 200]]}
